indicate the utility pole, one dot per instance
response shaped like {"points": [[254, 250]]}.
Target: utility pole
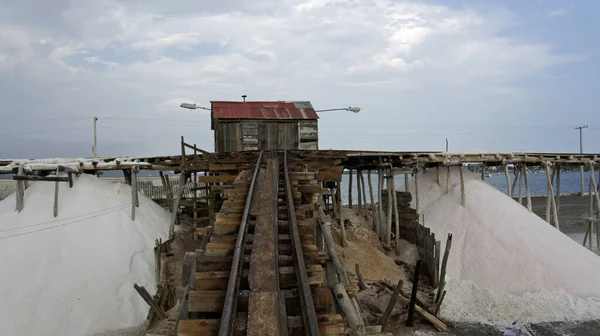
{"points": [[580, 128], [95, 149]]}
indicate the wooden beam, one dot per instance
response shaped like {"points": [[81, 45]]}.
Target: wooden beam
{"points": [[150, 301], [527, 189], [41, 178]]}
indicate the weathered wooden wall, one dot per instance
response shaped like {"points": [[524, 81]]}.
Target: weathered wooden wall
{"points": [[249, 135], [414, 232]]}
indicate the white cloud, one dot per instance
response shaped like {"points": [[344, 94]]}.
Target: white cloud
{"points": [[560, 11], [397, 60]]}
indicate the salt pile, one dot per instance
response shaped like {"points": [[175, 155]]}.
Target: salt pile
{"points": [[506, 264], [74, 274]]}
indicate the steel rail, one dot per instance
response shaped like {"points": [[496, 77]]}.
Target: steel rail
{"points": [[309, 316], [230, 304]]}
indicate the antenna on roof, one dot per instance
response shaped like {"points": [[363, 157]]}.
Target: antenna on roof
{"points": [[244, 97]]}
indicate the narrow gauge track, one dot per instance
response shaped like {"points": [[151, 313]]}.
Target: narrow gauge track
{"points": [[254, 278]]}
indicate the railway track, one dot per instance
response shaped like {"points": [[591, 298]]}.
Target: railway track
{"points": [[261, 272]]}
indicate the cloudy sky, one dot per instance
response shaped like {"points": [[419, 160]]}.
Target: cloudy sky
{"points": [[488, 75]]}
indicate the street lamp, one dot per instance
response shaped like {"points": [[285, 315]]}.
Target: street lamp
{"points": [[193, 107], [350, 109]]}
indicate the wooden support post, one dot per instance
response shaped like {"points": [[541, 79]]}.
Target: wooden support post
{"points": [[195, 195], [413, 297], [590, 231], [334, 202], [444, 265], [551, 195], [361, 281], [527, 190], [364, 189], [508, 189], [520, 185], [176, 203], [342, 227], [358, 189], [437, 256], [20, 190], [514, 184], [134, 192], [381, 217], [482, 172], [405, 182], [373, 212], [594, 186], [557, 169], [56, 193], [462, 185], [390, 306], [388, 231], [437, 174], [70, 177], [417, 188], [396, 217], [350, 188]]}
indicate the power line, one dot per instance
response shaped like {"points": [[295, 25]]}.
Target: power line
{"points": [[66, 218], [45, 131], [61, 225]]}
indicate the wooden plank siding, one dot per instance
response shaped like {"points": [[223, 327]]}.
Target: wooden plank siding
{"points": [[256, 134]]}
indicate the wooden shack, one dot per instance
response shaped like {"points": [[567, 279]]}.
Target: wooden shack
{"points": [[257, 125]]}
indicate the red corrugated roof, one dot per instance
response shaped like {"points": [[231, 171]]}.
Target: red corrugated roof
{"points": [[263, 110]]}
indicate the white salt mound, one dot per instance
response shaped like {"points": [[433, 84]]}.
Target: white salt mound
{"points": [[74, 274], [506, 263]]}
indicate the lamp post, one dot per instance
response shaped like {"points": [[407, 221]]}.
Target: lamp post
{"points": [[350, 109], [193, 107]]}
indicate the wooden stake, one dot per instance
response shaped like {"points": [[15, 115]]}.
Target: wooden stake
{"points": [[364, 189], [334, 202], [508, 189], [176, 203], [438, 253], [133, 193], [361, 281], [462, 185], [590, 231], [527, 190], [342, 227], [482, 172], [388, 231], [557, 190], [413, 297], [390, 306], [417, 188], [396, 217], [350, 189], [373, 213], [444, 265], [520, 185], [381, 223], [514, 184], [195, 195], [150, 301], [551, 195], [20, 190], [406, 182], [437, 174], [56, 193], [358, 173]]}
